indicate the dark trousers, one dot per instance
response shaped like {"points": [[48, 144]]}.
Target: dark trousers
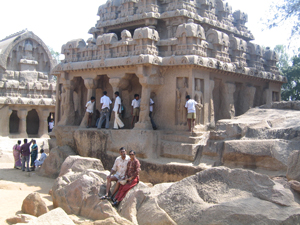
{"points": [[25, 159], [152, 122]]}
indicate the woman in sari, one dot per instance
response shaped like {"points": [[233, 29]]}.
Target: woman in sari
{"points": [[131, 178], [34, 153], [17, 152]]}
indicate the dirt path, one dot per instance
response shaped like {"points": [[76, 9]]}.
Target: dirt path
{"points": [[15, 185]]}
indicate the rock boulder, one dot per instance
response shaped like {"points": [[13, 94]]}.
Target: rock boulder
{"points": [[293, 170], [224, 196], [34, 205], [52, 164], [79, 164]]}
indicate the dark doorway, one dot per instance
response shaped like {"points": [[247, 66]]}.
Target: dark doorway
{"points": [[14, 122], [32, 123]]}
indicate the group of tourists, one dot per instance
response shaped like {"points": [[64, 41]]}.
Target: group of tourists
{"points": [[105, 103], [23, 154], [125, 172]]}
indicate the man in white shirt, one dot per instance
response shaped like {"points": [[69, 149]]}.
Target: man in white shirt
{"points": [[190, 106], [51, 125], [117, 173], [117, 109], [90, 110], [150, 114], [105, 106], [136, 102]]}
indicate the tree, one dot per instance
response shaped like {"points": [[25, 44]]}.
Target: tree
{"points": [[291, 90], [284, 58], [55, 55], [285, 11]]}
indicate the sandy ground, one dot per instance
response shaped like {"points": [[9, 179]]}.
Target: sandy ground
{"points": [[15, 185]]}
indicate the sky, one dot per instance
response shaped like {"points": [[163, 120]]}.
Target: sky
{"points": [[59, 21]]}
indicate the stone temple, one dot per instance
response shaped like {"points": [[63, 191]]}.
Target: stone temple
{"points": [[27, 90], [163, 49]]}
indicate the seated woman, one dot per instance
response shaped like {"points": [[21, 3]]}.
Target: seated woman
{"points": [[131, 178], [39, 162]]}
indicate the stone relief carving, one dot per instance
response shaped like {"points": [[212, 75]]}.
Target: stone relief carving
{"points": [[199, 84], [181, 93]]}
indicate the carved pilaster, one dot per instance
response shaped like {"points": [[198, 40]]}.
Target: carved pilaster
{"points": [[43, 129], [229, 109], [211, 104], [114, 82], [67, 104], [22, 114]]}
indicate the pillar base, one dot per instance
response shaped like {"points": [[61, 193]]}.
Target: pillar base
{"points": [[143, 126]]}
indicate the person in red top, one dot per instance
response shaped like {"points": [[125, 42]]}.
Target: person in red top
{"points": [[25, 152], [131, 176]]}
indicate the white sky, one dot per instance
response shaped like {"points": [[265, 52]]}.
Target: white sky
{"points": [[58, 21]]}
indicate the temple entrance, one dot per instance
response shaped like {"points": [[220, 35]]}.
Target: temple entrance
{"points": [[32, 122], [50, 117], [14, 122]]}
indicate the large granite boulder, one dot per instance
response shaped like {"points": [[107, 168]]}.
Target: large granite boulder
{"points": [[52, 164], [224, 196], [79, 164], [77, 193], [34, 205], [293, 170], [53, 217], [260, 139]]}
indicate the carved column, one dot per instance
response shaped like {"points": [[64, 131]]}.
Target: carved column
{"points": [[4, 120], [248, 94], [228, 108], [211, 104], [114, 82], [90, 84], [68, 117], [144, 119], [22, 114], [43, 129]]}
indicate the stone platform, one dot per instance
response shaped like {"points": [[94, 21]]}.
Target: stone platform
{"points": [[164, 155]]}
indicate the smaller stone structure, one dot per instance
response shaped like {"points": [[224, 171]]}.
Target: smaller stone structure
{"points": [[27, 91]]}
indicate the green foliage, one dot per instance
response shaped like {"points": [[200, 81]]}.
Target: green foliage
{"points": [[291, 90], [285, 11], [284, 58], [55, 55]]}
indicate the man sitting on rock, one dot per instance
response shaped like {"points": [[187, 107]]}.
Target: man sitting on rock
{"points": [[117, 172]]}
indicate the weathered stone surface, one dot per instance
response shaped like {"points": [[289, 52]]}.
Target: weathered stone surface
{"points": [[79, 164], [293, 170], [34, 205], [217, 195], [52, 164], [295, 185], [54, 217], [261, 139], [77, 193], [21, 218]]}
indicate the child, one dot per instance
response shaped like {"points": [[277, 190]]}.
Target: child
{"points": [[90, 110], [136, 102], [51, 125]]}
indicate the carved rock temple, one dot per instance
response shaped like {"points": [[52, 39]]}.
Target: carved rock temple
{"points": [[163, 49], [27, 90]]}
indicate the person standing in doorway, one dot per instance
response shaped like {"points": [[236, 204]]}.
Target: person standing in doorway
{"points": [[17, 153], [136, 102], [51, 125], [117, 109], [105, 106], [190, 106], [25, 152], [150, 114], [90, 110]]}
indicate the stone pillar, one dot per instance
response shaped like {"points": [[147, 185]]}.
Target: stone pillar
{"points": [[90, 84], [114, 82], [68, 117], [228, 108], [43, 129], [22, 114], [144, 119], [248, 94], [211, 104], [5, 113]]}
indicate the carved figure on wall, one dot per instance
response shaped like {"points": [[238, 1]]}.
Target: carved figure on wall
{"points": [[199, 99], [181, 93], [63, 101]]}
